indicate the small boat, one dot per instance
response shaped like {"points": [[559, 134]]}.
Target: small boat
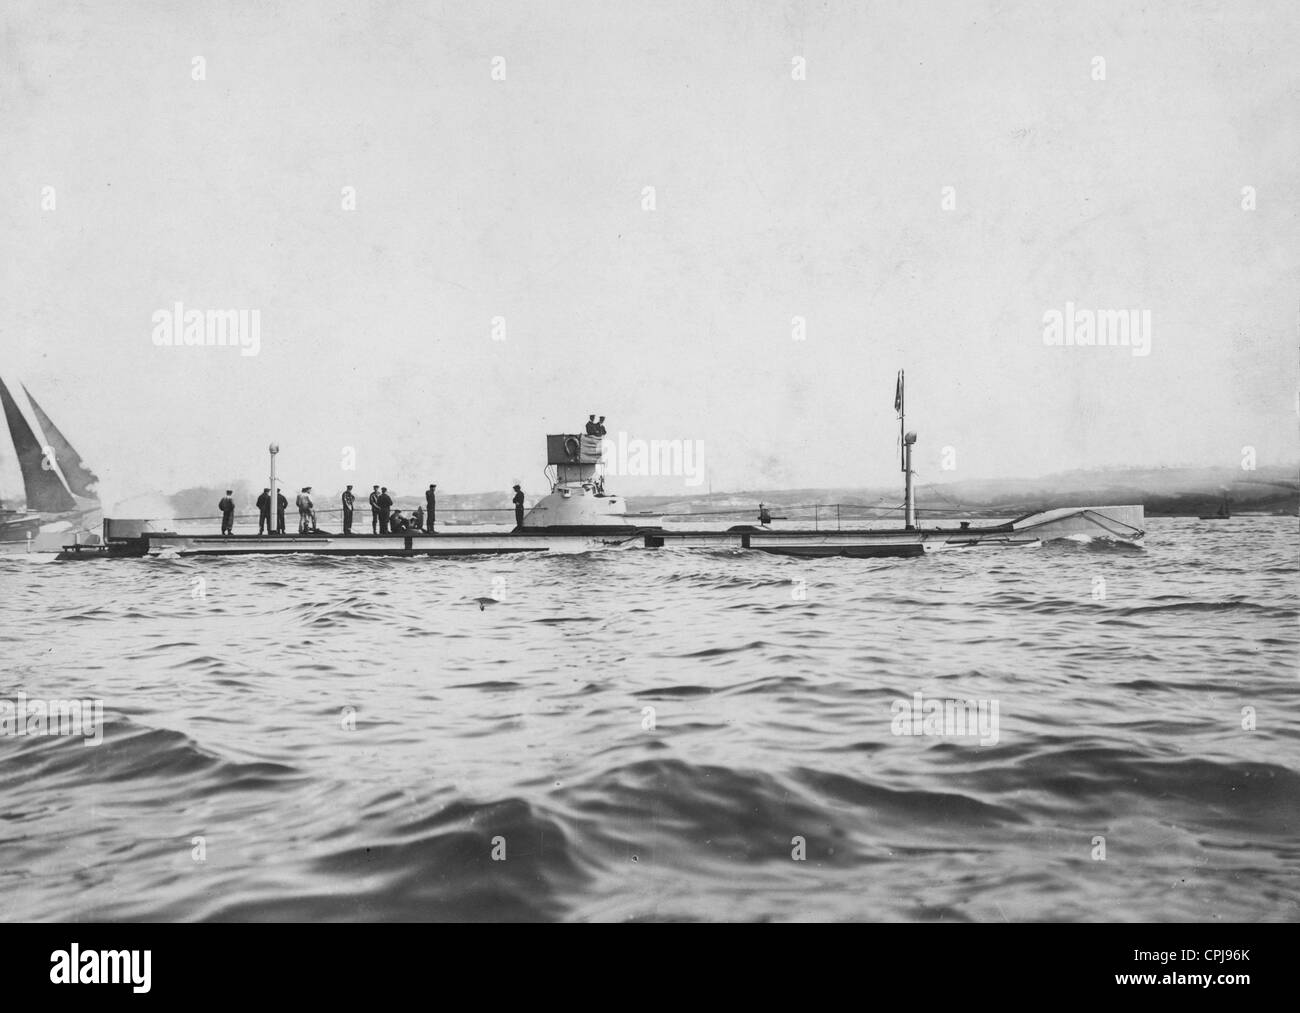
{"points": [[60, 490], [1224, 513]]}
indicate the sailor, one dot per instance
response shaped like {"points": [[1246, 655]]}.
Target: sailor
{"points": [[374, 511], [305, 520], [591, 425], [600, 427], [306, 511], [385, 502], [519, 508], [417, 519], [348, 502], [227, 508], [431, 502], [264, 512], [396, 524], [281, 505], [764, 516]]}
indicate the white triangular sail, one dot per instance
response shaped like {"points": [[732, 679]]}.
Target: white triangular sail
{"points": [[45, 487]]}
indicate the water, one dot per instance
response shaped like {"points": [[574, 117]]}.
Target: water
{"points": [[228, 736]]}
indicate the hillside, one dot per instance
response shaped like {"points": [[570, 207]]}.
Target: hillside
{"points": [[1165, 492]]}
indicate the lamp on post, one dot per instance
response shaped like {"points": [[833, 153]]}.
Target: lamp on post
{"points": [[909, 494], [274, 449]]}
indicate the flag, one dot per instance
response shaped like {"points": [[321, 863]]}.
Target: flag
{"points": [[898, 394]]}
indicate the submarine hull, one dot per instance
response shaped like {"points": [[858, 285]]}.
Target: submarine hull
{"points": [[1113, 523]]}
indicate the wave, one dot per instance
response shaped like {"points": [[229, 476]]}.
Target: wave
{"points": [[132, 752], [501, 861], [1209, 606]]}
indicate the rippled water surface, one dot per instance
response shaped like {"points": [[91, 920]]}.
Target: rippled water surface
{"points": [[646, 734]]}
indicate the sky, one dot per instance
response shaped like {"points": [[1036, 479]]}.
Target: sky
{"points": [[505, 271]]}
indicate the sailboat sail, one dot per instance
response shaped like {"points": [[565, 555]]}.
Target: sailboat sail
{"points": [[45, 489], [81, 480]]}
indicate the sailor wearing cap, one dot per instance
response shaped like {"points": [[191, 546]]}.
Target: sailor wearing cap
{"points": [[348, 502], [519, 508], [264, 512], [227, 508]]}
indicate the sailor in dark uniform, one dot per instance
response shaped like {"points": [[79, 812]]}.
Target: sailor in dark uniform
{"points": [[374, 511], [227, 508], [600, 427], [591, 425], [385, 504], [519, 508], [348, 502], [264, 512], [281, 505], [431, 503]]}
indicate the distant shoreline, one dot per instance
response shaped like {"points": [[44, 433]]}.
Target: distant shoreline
{"points": [[1185, 492]]}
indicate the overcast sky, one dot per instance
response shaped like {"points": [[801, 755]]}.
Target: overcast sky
{"points": [[774, 198]]}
